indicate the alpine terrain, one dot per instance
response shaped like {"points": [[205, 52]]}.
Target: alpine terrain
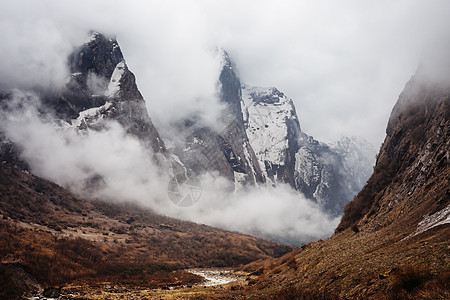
{"points": [[393, 239], [52, 237], [260, 143], [76, 233]]}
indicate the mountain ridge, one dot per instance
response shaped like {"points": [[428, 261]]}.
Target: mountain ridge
{"points": [[102, 97], [393, 239]]}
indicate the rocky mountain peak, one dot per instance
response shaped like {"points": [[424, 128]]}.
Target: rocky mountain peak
{"points": [[99, 54], [230, 87], [225, 150], [329, 174], [273, 130]]}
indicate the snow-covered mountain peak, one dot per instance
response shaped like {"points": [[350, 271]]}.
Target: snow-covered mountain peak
{"points": [[330, 174], [358, 156], [267, 116], [268, 96]]}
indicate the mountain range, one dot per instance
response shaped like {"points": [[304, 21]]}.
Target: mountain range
{"points": [[258, 140], [394, 229]]}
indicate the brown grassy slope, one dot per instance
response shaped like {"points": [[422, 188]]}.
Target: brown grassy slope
{"points": [[59, 237], [377, 251], [413, 159]]}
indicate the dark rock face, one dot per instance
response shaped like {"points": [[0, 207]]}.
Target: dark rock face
{"points": [[226, 151], [201, 150], [16, 283], [230, 88], [101, 79], [412, 171], [9, 153], [102, 59], [100, 55]]}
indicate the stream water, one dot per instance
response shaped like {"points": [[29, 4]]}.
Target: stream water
{"points": [[214, 277]]}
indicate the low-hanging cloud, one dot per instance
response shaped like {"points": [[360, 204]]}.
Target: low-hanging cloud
{"points": [[33, 54], [72, 158], [344, 65], [279, 214], [125, 171]]}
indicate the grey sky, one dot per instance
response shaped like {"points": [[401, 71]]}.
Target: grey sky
{"points": [[343, 63]]}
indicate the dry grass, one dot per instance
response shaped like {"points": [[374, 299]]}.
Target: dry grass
{"points": [[61, 238]]}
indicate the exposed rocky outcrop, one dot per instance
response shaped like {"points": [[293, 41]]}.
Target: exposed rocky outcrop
{"points": [[330, 175], [225, 150], [412, 169], [101, 79], [16, 282]]}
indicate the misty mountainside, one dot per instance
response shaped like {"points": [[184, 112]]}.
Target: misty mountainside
{"points": [[259, 142], [331, 175], [393, 239], [225, 149], [101, 96], [413, 162], [102, 87], [51, 237], [95, 137]]}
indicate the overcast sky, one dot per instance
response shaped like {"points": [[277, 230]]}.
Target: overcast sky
{"points": [[343, 63]]}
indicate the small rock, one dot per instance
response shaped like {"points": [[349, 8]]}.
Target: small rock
{"points": [[52, 292]]}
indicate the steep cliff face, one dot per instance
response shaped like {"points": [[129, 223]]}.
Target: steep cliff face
{"points": [[411, 176], [273, 130], [320, 174], [330, 175], [225, 150], [102, 87]]}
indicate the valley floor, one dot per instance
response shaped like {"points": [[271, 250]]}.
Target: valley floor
{"points": [[218, 283]]}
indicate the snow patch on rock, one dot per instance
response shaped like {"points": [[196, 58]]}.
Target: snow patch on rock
{"points": [[439, 218], [239, 180], [265, 112], [114, 82], [90, 113]]}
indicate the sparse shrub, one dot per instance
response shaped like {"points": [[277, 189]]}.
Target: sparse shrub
{"points": [[292, 292], [291, 263], [407, 279]]}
